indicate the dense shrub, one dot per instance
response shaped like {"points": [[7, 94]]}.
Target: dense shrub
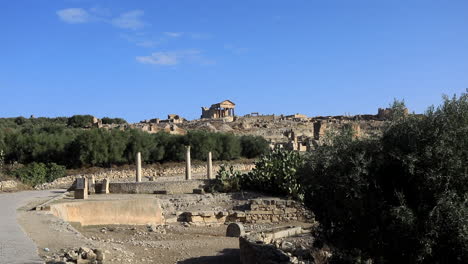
{"points": [[76, 147], [276, 173], [108, 120], [38, 173], [80, 121], [401, 198], [253, 146], [227, 180]]}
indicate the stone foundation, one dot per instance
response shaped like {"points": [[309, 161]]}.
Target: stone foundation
{"points": [[169, 187], [115, 212], [271, 210]]}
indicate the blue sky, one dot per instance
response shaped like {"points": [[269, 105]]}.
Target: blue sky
{"points": [[146, 59]]}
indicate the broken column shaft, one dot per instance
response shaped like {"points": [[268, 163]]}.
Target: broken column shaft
{"points": [[188, 172], [138, 167]]}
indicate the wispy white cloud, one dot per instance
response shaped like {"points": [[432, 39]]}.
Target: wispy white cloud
{"points": [[142, 39], [74, 15], [173, 34], [129, 20], [147, 43], [100, 11], [160, 58], [200, 35], [235, 49], [171, 58]]}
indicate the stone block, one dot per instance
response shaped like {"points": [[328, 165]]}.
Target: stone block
{"points": [[235, 230], [207, 213], [260, 212], [196, 219], [81, 189], [290, 210], [240, 214], [254, 207]]}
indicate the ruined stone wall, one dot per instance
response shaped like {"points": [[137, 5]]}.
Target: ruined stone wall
{"points": [[168, 187], [265, 210], [128, 175], [276, 210]]}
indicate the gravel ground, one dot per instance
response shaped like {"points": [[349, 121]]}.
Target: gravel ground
{"points": [[173, 243]]}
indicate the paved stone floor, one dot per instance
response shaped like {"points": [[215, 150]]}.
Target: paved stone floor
{"points": [[15, 245]]}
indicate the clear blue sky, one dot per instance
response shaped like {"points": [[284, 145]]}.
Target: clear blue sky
{"points": [[146, 59]]}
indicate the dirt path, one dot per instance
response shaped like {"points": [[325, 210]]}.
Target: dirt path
{"points": [[15, 245]]}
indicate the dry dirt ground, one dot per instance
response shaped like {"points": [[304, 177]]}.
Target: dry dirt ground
{"points": [[172, 243]]}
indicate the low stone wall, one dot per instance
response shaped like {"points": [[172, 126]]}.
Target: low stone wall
{"points": [[276, 210], [8, 185], [254, 252], [116, 212], [168, 187], [129, 174], [271, 246], [270, 210]]}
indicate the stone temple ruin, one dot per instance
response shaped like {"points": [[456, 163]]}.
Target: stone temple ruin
{"points": [[223, 110]]}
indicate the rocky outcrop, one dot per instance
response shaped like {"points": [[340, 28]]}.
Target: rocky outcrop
{"points": [[8, 186]]}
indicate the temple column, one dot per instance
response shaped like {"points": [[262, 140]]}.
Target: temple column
{"points": [[209, 167], [138, 167], [188, 172]]}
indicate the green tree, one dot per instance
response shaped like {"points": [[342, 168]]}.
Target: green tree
{"points": [[253, 146], [80, 121]]}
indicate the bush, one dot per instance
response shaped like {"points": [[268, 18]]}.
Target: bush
{"points": [[80, 121], [401, 198], [253, 146], [227, 180], [108, 120], [38, 173], [51, 140], [54, 172], [276, 173]]}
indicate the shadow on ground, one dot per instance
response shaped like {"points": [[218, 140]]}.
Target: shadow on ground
{"points": [[226, 256]]}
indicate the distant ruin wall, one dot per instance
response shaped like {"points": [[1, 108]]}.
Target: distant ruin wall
{"points": [[170, 187], [128, 175]]}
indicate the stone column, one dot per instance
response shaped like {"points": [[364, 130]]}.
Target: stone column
{"points": [[138, 167], [105, 186], [209, 167], [188, 172], [91, 185]]}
